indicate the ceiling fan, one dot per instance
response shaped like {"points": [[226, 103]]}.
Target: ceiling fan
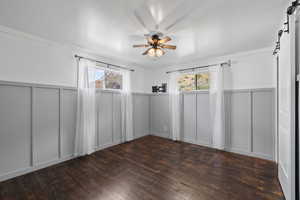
{"points": [[156, 45]]}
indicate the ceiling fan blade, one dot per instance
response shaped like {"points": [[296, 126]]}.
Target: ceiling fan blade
{"points": [[168, 46], [180, 13], [146, 52], [140, 45], [140, 20], [145, 18], [164, 40], [177, 21]]}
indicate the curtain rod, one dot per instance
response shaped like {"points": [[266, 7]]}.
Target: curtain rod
{"points": [[206, 66], [108, 64]]}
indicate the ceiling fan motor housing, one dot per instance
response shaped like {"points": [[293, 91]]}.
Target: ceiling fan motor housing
{"points": [[155, 39]]}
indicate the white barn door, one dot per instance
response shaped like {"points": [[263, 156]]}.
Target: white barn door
{"points": [[286, 112]]}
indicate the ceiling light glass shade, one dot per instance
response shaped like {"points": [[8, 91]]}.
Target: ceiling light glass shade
{"points": [[151, 52], [155, 52], [159, 53]]}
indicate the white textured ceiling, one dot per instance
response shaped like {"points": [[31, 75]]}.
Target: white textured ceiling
{"points": [[199, 28]]}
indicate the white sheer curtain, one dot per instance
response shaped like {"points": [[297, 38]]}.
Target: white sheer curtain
{"points": [[217, 111], [86, 109], [174, 105], [126, 107]]}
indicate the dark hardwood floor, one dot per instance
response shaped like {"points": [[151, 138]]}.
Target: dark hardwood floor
{"points": [[151, 168]]}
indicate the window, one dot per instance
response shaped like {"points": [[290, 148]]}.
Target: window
{"points": [[99, 78], [108, 79], [113, 80], [202, 81], [192, 82], [186, 82]]}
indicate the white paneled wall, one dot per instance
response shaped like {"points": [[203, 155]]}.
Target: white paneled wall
{"points": [[159, 115], [15, 132], [263, 122], [68, 122], [203, 120], [105, 119], [239, 121], [141, 115], [189, 118], [116, 118], [249, 124], [38, 124], [46, 130]]}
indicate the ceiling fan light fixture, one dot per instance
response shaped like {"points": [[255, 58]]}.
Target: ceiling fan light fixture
{"points": [[152, 52], [155, 52], [159, 52], [157, 45]]}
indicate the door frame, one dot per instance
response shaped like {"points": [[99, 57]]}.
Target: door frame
{"points": [[297, 103]]}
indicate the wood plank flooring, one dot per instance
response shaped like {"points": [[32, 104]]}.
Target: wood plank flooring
{"points": [[151, 168]]}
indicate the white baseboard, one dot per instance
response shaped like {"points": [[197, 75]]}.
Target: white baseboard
{"points": [[228, 149], [205, 144], [30, 169], [105, 146], [21, 172], [137, 137], [162, 135], [251, 154], [200, 143]]}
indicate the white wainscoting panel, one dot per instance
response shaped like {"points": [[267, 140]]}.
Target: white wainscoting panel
{"points": [[203, 119], [109, 117], [15, 131], [117, 117], [141, 115], [263, 123], [240, 121], [159, 120], [227, 104], [38, 124], [68, 124], [190, 118], [40, 121], [249, 120], [105, 118], [46, 125]]}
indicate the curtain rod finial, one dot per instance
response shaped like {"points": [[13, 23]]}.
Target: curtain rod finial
{"points": [[76, 56]]}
